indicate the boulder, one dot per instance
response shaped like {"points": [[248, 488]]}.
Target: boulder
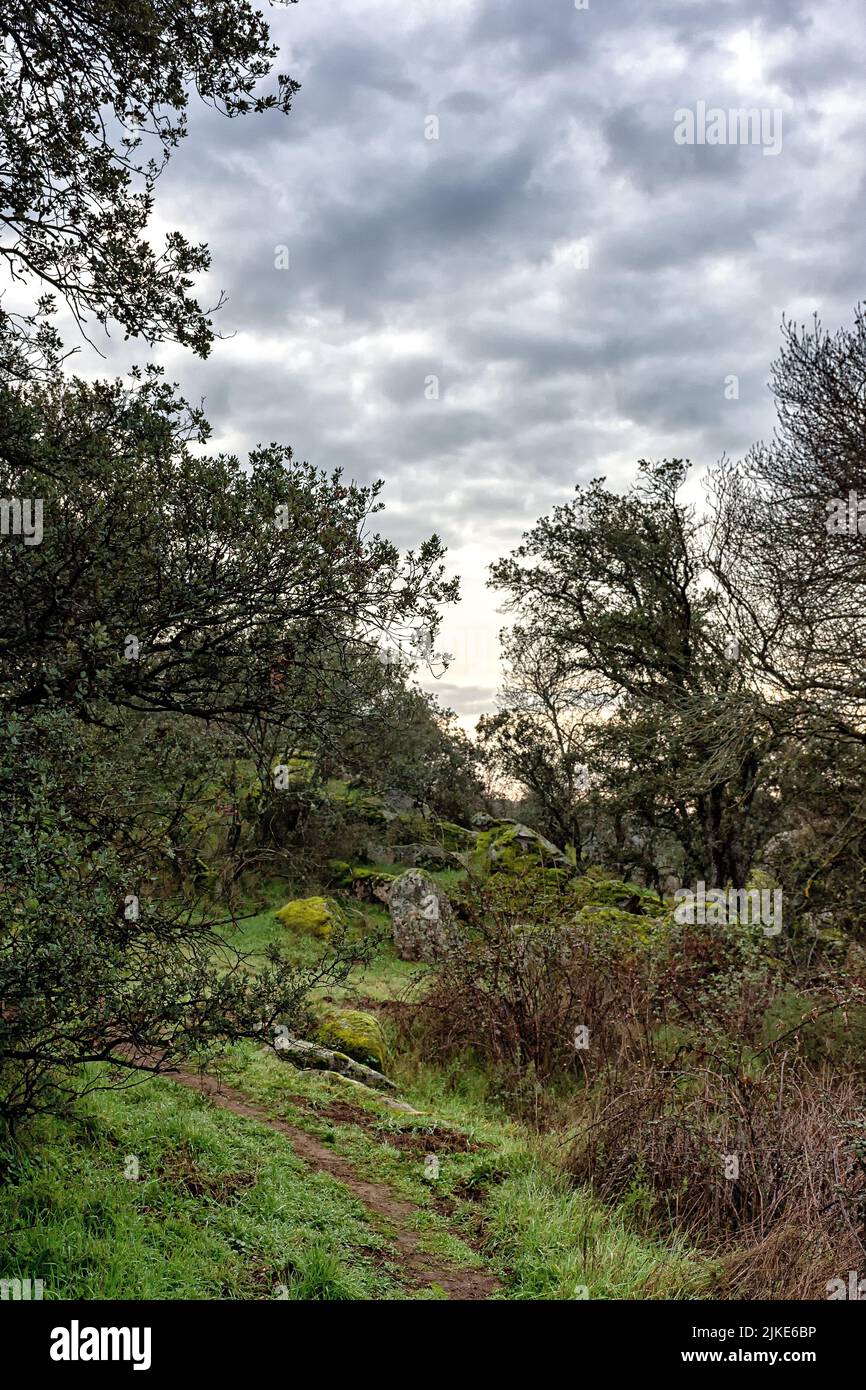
{"points": [[425, 857], [372, 885], [422, 920], [312, 1055], [357, 1034], [452, 836], [594, 891], [313, 916], [508, 844], [379, 853]]}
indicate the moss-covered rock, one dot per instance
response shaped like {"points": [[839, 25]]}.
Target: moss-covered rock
{"points": [[360, 804], [596, 891], [425, 856], [357, 1034], [339, 873], [509, 845], [451, 836], [301, 1053], [422, 919], [371, 885], [619, 924], [313, 916], [365, 881]]}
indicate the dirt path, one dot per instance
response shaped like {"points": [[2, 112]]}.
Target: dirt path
{"points": [[417, 1266]]}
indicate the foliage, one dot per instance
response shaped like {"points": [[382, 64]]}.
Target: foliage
{"points": [[622, 665], [93, 101], [161, 652]]}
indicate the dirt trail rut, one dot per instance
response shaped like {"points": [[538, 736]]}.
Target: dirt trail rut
{"points": [[417, 1266]]}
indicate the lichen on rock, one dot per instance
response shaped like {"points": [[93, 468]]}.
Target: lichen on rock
{"points": [[356, 1033], [313, 916], [422, 920]]}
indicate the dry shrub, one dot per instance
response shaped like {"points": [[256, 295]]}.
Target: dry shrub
{"points": [[707, 1048], [524, 977], [730, 1152]]}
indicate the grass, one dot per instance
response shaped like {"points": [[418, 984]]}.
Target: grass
{"points": [[222, 1208], [501, 1196]]}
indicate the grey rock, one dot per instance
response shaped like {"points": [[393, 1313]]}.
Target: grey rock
{"points": [[425, 857], [422, 920], [307, 1055]]}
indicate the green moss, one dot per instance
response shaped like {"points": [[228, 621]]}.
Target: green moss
{"points": [[489, 846], [315, 916], [613, 892], [339, 873], [617, 923], [362, 874], [300, 771], [502, 847], [451, 836], [359, 1035]]}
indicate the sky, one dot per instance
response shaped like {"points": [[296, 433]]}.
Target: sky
{"points": [[505, 274]]}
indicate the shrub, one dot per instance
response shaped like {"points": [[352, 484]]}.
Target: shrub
{"points": [[530, 971]]}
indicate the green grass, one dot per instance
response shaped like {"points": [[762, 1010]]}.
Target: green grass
{"points": [[503, 1201], [509, 1202], [221, 1208], [385, 978]]}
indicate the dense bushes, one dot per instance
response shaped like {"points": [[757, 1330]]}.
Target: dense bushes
{"points": [[711, 1080], [530, 973]]}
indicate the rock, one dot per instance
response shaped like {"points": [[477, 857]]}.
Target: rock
{"points": [[357, 1034], [422, 920], [379, 854], [481, 820], [425, 857], [786, 848], [452, 836], [398, 801], [371, 885], [339, 873], [403, 1106], [592, 891], [531, 842], [314, 916], [508, 844], [365, 1092], [308, 1055]]}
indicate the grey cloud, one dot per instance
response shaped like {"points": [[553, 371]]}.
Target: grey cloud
{"points": [[456, 256]]}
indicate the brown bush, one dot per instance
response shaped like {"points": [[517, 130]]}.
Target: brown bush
{"points": [[704, 1042], [525, 976]]}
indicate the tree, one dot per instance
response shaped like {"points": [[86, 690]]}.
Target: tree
{"points": [[793, 505], [787, 553], [422, 752], [542, 734], [171, 581], [101, 959], [611, 590], [93, 100], [183, 613]]}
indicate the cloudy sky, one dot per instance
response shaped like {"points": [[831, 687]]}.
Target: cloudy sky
{"points": [[580, 284]]}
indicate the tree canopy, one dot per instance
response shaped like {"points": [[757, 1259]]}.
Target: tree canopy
{"points": [[93, 101]]}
